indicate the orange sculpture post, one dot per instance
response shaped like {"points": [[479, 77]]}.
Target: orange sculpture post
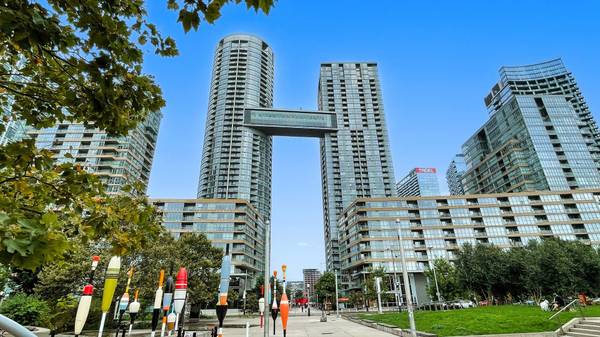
{"points": [[284, 309]]}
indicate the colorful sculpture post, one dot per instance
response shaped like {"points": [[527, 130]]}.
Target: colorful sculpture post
{"points": [[157, 303], [283, 269], [261, 306], [110, 284], [83, 309], [95, 261], [284, 304], [180, 293], [284, 307], [170, 322], [223, 290], [134, 308], [167, 298], [124, 301], [274, 306]]}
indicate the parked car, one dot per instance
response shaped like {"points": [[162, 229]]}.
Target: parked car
{"points": [[462, 304], [433, 306]]}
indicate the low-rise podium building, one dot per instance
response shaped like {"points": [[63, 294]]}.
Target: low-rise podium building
{"points": [[224, 221], [437, 226]]}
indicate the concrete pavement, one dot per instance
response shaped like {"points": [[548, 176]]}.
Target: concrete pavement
{"points": [[304, 326]]}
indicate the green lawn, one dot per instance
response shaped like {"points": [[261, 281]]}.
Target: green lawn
{"points": [[482, 320]]}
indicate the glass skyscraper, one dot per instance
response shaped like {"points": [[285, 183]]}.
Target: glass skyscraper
{"points": [[14, 130], [236, 160], [540, 135], [455, 173], [117, 161], [420, 181], [355, 160]]}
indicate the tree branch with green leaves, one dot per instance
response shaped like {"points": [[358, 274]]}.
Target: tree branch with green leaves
{"points": [[78, 61]]}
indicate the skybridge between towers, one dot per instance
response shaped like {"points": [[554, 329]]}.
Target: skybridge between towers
{"points": [[286, 122]]}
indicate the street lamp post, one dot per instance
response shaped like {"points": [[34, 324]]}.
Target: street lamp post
{"points": [[308, 290], [337, 302], [395, 280], [432, 266], [365, 292], [244, 295], [411, 317], [267, 273]]}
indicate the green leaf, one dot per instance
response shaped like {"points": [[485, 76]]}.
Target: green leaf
{"points": [[49, 219], [172, 4], [20, 246]]}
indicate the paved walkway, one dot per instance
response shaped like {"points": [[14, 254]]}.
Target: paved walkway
{"points": [[299, 325], [304, 326]]}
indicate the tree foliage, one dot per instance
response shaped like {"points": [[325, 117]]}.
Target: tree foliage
{"points": [[325, 287], [192, 251], [482, 269], [251, 302], [536, 270], [4, 277], [66, 277], [77, 61], [61, 317], [192, 12], [81, 60], [447, 280], [357, 299], [26, 309], [260, 282], [371, 289], [45, 208]]}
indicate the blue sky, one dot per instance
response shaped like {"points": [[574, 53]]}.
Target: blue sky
{"points": [[437, 60]]}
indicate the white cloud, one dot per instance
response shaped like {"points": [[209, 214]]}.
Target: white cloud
{"points": [[302, 244]]}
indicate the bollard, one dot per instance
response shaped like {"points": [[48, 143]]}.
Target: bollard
{"points": [[247, 329]]}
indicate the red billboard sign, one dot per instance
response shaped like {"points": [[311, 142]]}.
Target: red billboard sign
{"points": [[425, 170]]}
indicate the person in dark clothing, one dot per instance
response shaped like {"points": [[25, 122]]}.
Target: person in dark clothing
{"points": [[558, 302]]}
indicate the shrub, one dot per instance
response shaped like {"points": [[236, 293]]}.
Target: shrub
{"points": [[26, 309]]}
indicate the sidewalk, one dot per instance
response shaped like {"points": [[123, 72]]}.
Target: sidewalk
{"points": [[304, 326], [299, 325]]}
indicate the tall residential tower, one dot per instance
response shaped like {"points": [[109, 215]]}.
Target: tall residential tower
{"points": [[356, 160], [236, 160], [455, 173], [117, 161], [419, 182], [540, 135]]}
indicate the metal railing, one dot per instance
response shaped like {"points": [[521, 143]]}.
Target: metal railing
{"points": [[14, 328], [571, 304]]}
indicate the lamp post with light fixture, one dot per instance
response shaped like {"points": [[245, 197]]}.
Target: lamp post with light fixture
{"points": [[432, 267], [411, 317]]}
